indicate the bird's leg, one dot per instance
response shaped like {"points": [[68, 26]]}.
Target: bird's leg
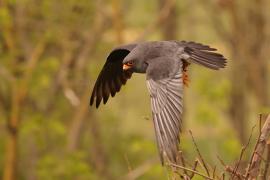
{"points": [[185, 74]]}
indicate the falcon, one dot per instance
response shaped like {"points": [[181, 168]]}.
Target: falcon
{"points": [[165, 65]]}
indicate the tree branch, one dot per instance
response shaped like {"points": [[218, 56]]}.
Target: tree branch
{"points": [[254, 168], [191, 170]]}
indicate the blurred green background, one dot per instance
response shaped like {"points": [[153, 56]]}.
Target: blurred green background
{"points": [[52, 51]]}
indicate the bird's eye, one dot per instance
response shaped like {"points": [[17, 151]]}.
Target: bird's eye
{"points": [[130, 63]]}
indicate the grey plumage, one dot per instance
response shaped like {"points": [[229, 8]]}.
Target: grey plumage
{"points": [[166, 102], [163, 63]]}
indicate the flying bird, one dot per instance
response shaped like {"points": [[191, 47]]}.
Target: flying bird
{"points": [[165, 65]]}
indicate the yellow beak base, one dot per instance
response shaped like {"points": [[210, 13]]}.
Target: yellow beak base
{"points": [[126, 67]]}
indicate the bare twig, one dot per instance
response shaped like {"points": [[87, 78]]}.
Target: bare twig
{"points": [[191, 170], [223, 176], [243, 151], [199, 153], [214, 172], [254, 168], [257, 142], [221, 161], [194, 168], [261, 156], [230, 170], [183, 161], [128, 163], [234, 174]]}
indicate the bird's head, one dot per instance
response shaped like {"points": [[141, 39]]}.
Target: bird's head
{"points": [[128, 65], [134, 63]]}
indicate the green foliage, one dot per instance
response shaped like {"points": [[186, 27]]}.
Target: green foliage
{"points": [[5, 18], [68, 167]]}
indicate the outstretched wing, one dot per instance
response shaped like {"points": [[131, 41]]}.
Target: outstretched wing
{"points": [[112, 76], [166, 102], [202, 54]]}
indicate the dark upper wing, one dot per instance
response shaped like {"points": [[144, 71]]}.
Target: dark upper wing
{"points": [[166, 102], [112, 76], [202, 54]]}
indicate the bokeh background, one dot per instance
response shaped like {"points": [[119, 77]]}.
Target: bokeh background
{"points": [[52, 51]]}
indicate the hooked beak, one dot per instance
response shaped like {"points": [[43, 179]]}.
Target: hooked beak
{"points": [[126, 67]]}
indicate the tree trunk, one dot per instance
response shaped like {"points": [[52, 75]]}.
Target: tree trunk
{"points": [[249, 66], [169, 26], [10, 165], [257, 64], [238, 96], [77, 122], [18, 94]]}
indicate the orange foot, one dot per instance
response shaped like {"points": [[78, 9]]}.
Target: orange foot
{"points": [[185, 78]]}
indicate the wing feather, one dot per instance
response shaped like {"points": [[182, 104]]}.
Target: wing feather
{"points": [[112, 76], [166, 96]]}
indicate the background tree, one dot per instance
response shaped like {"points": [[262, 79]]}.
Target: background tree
{"points": [[247, 40]]}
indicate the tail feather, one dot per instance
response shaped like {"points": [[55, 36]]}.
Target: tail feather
{"points": [[203, 55]]}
